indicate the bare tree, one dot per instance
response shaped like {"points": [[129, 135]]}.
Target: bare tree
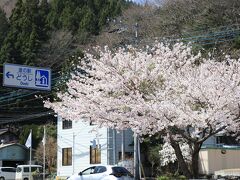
{"points": [[57, 49], [8, 6], [51, 154]]}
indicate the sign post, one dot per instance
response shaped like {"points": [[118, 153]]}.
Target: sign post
{"points": [[22, 76]]}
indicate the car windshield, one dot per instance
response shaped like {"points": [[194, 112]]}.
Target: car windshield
{"points": [[120, 170], [100, 169], [19, 169], [33, 169], [8, 169]]}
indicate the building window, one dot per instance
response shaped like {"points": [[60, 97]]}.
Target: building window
{"points": [[226, 140], [127, 155], [95, 154], [67, 124], [91, 122], [67, 156]]}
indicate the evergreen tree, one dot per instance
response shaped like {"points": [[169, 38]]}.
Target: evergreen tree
{"points": [[82, 16], [66, 18], [42, 20], [32, 20], [27, 25], [88, 22], [3, 27], [56, 7]]}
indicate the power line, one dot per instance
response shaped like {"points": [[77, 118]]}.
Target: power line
{"points": [[205, 39], [27, 117], [29, 100], [32, 107], [16, 91], [16, 96], [10, 96], [209, 38]]}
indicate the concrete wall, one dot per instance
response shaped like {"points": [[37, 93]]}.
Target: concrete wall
{"points": [[13, 152], [203, 165], [214, 159]]}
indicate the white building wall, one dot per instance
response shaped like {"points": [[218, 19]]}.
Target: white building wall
{"points": [[79, 139], [215, 159]]}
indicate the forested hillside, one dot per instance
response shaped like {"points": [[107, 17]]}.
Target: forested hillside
{"points": [[8, 6], [45, 33], [50, 33], [210, 23], [54, 33], [33, 23]]}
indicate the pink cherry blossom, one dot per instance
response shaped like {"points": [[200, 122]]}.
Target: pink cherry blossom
{"points": [[164, 89]]}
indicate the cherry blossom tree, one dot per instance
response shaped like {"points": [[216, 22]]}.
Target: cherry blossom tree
{"points": [[162, 88], [167, 154]]}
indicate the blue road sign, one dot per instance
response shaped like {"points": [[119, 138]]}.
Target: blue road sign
{"points": [[21, 76]]}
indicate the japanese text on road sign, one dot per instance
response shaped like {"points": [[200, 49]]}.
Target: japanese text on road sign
{"points": [[26, 77]]}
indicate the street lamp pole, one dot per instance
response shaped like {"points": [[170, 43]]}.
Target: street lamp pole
{"points": [[123, 145], [73, 156], [136, 157], [136, 136]]}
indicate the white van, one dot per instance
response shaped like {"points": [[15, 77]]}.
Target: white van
{"points": [[7, 173], [22, 172]]}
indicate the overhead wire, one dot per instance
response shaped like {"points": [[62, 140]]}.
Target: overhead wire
{"points": [[16, 96], [38, 97], [26, 90], [27, 117], [202, 39], [206, 39]]}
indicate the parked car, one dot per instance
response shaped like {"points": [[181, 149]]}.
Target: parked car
{"points": [[22, 172], [102, 172], [7, 173]]}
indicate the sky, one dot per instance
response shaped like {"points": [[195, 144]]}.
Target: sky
{"points": [[144, 1], [139, 1]]}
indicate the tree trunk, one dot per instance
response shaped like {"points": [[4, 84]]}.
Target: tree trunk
{"points": [[195, 159], [152, 169], [182, 164]]}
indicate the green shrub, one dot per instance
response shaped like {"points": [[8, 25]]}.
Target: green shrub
{"points": [[181, 177], [169, 177], [163, 178], [237, 42]]}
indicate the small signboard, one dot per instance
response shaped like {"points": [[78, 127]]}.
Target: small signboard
{"points": [[22, 76]]}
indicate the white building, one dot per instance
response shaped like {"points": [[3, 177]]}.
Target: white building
{"points": [[80, 146], [218, 154]]}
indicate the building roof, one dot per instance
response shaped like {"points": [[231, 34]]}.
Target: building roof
{"points": [[12, 144], [2, 131], [230, 147]]}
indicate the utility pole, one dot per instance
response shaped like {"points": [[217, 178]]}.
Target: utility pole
{"points": [[136, 30], [73, 152], [136, 136], [123, 145], [44, 152], [114, 146], [136, 157]]}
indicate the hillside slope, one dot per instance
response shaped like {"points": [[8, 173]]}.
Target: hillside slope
{"points": [[8, 6]]}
